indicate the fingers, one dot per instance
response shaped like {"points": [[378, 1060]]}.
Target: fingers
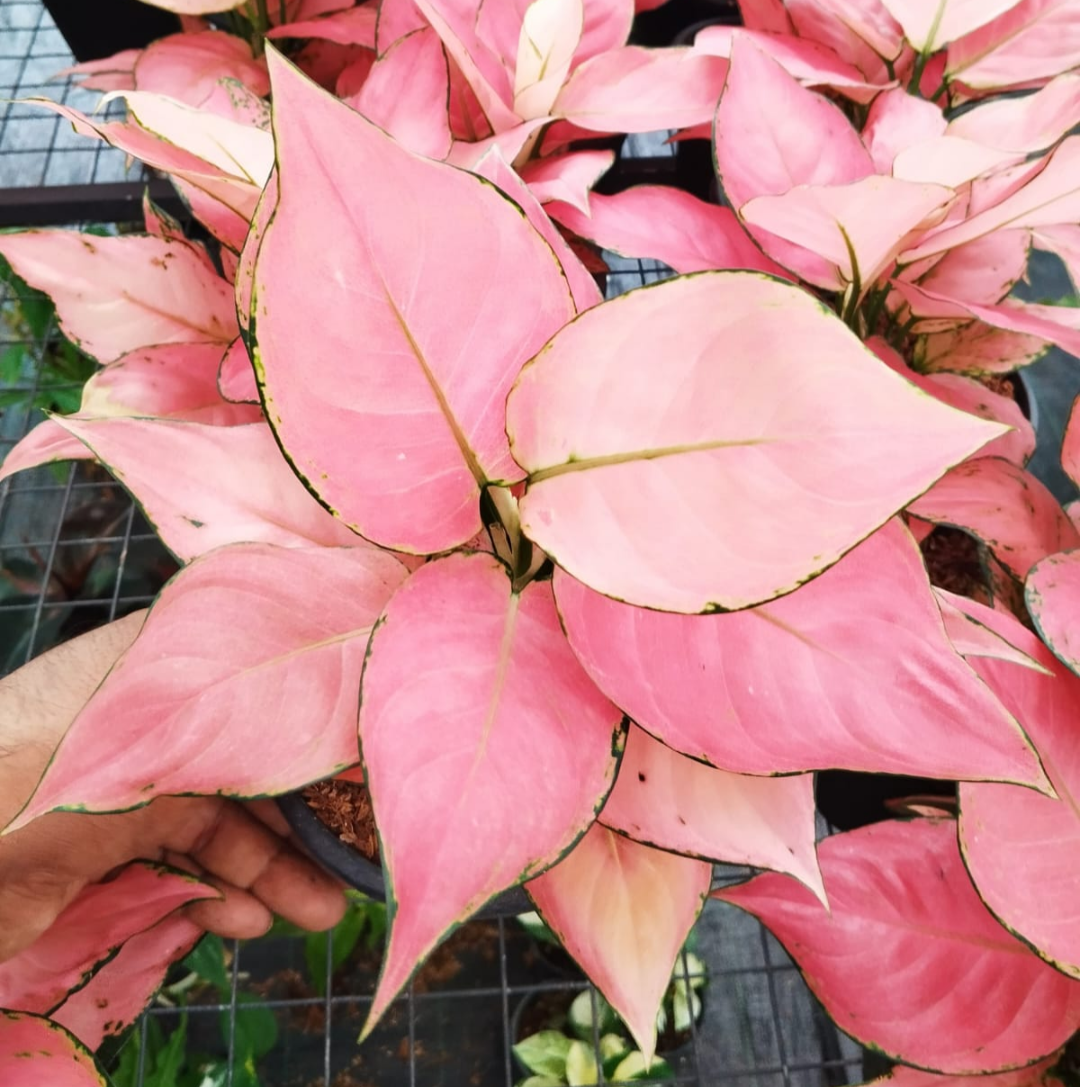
{"points": [[240, 849]]}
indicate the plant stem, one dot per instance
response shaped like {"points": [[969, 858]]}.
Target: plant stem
{"points": [[917, 73], [260, 25]]}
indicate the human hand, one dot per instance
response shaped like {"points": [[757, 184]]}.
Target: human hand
{"points": [[242, 849]]}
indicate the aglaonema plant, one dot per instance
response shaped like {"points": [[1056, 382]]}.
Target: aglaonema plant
{"points": [[511, 518]]}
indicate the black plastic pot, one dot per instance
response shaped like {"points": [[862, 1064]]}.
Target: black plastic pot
{"points": [[357, 871], [99, 29], [665, 24]]}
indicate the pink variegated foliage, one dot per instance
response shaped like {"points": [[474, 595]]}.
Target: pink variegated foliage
{"points": [[610, 579]]}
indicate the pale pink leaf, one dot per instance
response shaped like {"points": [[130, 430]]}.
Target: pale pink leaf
{"points": [[983, 271], [502, 719], [231, 100], [1031, 123], [119, 992], [187, 66], [890, 695], [666, 224], [609, 460], [568, 177], [1049, 198], [510, 143], [583, 289], [1007, 508], [235, 376], [949, 160], [908, 959], [458, 291], [857, 228], [896, 121], [624, 910], [676, 803], [773, 134], [930, 24], [237, 148], [352, 26], [406, 94], [970, 395], [811, 63], [768, 15], [34, 1051], [1022, 848], [971, 637], [633, 89], [847, 29], [116, 294], [550, 33], [224, 484], [1052, 590], [1033, 40], [256, 715], [978, 348], [100, 919], [196, 7], [172, 381], [46, 443]]}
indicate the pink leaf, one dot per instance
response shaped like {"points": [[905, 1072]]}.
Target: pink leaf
{"points": [[972, 396], [1033, 1075], [624, 910], [353, 26], [610, 461], [860, 32], [105, 74], [406, 92], [568, 177], [901, 703], [118, 993], [1024, 125], [1005, 507], [351, 79], [978, 348], [196, 7], [767, 15], [46, 443], [813, 64], [187, 66], [896, 121], [971, 637], [930, 24], [1052, 589], [34, 1051], [949, 160], [1034, 39], [235, 377], [857, 229], [909, 960], [983, 271], [459, 291], [173, 381], [665, 799], [244, 283], [225, 484], [502, 719], [665, 224], [89, 931], [641, 90], [233, 101], [116, 294], [1070, 448], [252, 715], [510, 143], [1021, 848], [1049, 198], [583, 289], [396, 19], [607, 27]]}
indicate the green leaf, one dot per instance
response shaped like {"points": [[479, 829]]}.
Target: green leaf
{"points": [[256, 1027], [581, 1013], [542, 1081], [581, 1067], [544, 1053], [207, 959], [170, 1059], [346, 934], [634, 1067], [11, 364]]}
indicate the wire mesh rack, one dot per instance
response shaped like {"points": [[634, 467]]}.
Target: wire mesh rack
{"points": [[76, 553]]}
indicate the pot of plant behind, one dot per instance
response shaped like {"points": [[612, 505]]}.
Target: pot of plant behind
{"points": [[955, 561], [334, 822], [105, 27]]}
